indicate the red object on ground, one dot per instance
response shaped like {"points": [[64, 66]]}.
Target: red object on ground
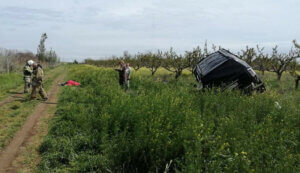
{"points": [[72, 83]]}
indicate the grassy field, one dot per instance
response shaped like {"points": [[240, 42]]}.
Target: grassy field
{"points": [[162, 124], [14, 114], [8, 82]]}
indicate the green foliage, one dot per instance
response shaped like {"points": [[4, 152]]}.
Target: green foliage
{"points": [[152, 61], [175, 63], [248, 55], [262, 61], [41, 51], [51, 57], [46, 56], [280, 62], [137, 62], [100, 128], [193, 57]]}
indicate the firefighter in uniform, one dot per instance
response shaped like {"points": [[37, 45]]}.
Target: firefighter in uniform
{"points": [[27, 71], [37, 82]]}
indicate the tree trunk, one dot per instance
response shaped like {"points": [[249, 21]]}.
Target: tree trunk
{"points": [[262, 72], [153, 71], [178, 73], [279, 74]]}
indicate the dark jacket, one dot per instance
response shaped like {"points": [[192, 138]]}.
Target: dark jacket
{"points": [[122, 75]]}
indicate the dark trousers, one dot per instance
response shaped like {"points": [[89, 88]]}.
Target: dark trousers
{"points": [[297, 81], [121, 81], [38, 88]]}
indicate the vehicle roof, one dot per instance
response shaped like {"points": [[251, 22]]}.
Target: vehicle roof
{"points": [[216, 59]]}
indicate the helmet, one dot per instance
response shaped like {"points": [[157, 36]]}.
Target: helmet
{"points": [[30, 62]]}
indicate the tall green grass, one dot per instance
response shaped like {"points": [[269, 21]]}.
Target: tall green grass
{"points": [[9, 81], [163, 124]]}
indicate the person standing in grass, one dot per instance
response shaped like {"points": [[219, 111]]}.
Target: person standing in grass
{"points": [[27, 71], [297, 79], [128, 74], [122, 73], [37, 82]]}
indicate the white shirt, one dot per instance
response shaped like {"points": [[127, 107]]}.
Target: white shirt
{"points": [[128, 72]]}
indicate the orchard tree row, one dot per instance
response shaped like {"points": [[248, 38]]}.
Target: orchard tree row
{"points": [[256, 57]]}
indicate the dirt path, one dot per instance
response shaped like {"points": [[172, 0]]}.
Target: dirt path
{"points": [[12, 150]]}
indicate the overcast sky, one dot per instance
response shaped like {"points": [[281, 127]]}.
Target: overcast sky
{"points": [[78, 29]]}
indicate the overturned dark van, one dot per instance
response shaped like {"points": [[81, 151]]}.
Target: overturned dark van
{"points": [[225, 70]]}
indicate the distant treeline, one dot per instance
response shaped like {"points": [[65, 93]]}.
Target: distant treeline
{"points": [[256, 57], [14, 60]]}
